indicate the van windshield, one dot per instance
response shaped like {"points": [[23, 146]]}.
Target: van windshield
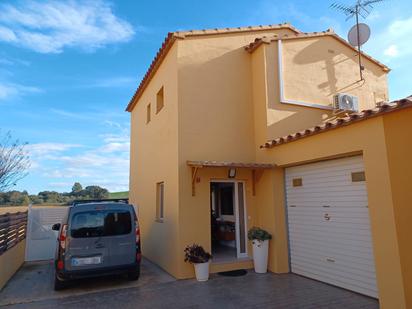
{"points": [[101, 223]]}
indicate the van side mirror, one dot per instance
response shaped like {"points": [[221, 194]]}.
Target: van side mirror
{"points": [[56, 227]]}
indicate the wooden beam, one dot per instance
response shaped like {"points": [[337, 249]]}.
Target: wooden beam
{"points": [[254, 182], [194, 173]]}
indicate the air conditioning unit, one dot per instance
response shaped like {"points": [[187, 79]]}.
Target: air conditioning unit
{"points": [[345, 102]]}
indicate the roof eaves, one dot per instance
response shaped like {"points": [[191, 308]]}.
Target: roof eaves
{"points": [[157, 61], [341, 122], [251, 165], [237, 30]]}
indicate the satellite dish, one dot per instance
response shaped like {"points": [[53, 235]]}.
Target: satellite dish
{"points": [[364, 34]]}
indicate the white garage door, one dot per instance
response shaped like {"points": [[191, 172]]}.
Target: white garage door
{"points": [[329, 229]]}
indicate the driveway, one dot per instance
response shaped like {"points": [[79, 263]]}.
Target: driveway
{"points": [[32, 287]]}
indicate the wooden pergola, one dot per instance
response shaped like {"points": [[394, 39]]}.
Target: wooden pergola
{"points": [[256, 168]]}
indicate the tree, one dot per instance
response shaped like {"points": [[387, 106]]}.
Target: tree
{"points": [[96, 192], [77, 187], [14, 161]]}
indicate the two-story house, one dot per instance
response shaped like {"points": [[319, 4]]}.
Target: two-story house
{"points": [[241, 127]]}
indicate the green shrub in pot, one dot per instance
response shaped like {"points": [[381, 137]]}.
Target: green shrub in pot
{"points": [[256, 233], [195, 254]]}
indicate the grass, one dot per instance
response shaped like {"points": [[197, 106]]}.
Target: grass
{"points": [[124, 194]]}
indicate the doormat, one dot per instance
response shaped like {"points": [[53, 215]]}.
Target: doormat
{"points": [[234, 273]]}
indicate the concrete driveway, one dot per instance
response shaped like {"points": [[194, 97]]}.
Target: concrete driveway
{"points": [[32, 287]]}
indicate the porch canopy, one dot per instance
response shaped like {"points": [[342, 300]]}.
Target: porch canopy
{"points": [[256, 168]]}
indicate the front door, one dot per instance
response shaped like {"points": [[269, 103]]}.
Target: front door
{"points": [[228, 225]]}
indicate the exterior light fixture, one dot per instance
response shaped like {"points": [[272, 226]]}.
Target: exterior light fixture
{"points": [[232, 173]]}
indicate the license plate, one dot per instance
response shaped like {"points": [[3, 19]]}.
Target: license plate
{"points": [[87, 261]]}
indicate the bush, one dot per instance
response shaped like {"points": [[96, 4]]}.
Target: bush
{"points": [[195, 254], [258, 234]]}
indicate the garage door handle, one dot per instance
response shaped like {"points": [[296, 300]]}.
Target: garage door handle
{"points": [[330, 260]]}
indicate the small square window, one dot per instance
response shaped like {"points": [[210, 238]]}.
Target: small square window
{"points": [[148, 113], [160, 201], [297, 182], [159, 100]]}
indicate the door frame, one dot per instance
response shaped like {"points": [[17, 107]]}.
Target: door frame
{"points": [[236, 212]]}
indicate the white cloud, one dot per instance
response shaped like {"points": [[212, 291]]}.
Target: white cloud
{"points": [[42, 149], [13, 61], [116, 146], [391, 51], [114, 82], [51, 26], [106, 164], [393, 41], [8, 90], [7, 35]]}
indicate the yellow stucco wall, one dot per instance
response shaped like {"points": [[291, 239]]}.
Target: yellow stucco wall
{"points": [[308, 78], [10, 262], [153, 159], [398, 133]]}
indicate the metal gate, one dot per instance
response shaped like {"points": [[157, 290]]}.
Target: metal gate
{"points": [[41, 239]]}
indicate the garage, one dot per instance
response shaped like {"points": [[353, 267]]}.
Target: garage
{"points": [[328, 224]]}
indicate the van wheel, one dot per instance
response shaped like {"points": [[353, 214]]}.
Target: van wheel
{"points": [[134, 275], [58, 284]]}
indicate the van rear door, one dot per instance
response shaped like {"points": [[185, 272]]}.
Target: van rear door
{"points": [[121, 227], [87, 247]]}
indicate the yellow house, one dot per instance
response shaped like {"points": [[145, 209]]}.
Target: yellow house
{"points": [[241, 127]]}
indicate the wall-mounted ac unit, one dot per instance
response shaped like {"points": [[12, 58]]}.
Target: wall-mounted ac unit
{"points": [[345, 102]]}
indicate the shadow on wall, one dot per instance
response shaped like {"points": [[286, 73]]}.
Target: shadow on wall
{"points": [[320, 51], [342, 75]]}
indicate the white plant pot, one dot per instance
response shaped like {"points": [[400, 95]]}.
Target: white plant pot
{"points": [[260, 255], [202, 271]]}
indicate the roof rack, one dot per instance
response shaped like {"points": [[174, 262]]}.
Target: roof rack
{"points": [[115, 200]]}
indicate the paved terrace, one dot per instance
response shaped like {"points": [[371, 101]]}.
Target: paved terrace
{"points": [[32, 287]]}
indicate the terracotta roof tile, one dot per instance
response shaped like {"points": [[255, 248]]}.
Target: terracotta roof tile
{"points": [[173, 36], [329, 32], [253, 165], [341, 122], [237, 30]]}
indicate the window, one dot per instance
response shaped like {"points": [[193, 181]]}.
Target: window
{"points": [[159, 100], [148, 113], [160, 195], [101, 223]]}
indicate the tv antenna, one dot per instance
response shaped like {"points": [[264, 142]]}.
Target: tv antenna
{"points": [[359, 33]]}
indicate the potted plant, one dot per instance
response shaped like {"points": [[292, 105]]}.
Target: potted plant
{"points": [[196, 255], [260, 240]]}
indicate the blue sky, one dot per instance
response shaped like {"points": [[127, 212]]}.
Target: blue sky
{"points": [[68, 69]]}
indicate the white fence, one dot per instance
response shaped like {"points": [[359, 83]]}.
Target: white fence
{"points": [[41, 240]]}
